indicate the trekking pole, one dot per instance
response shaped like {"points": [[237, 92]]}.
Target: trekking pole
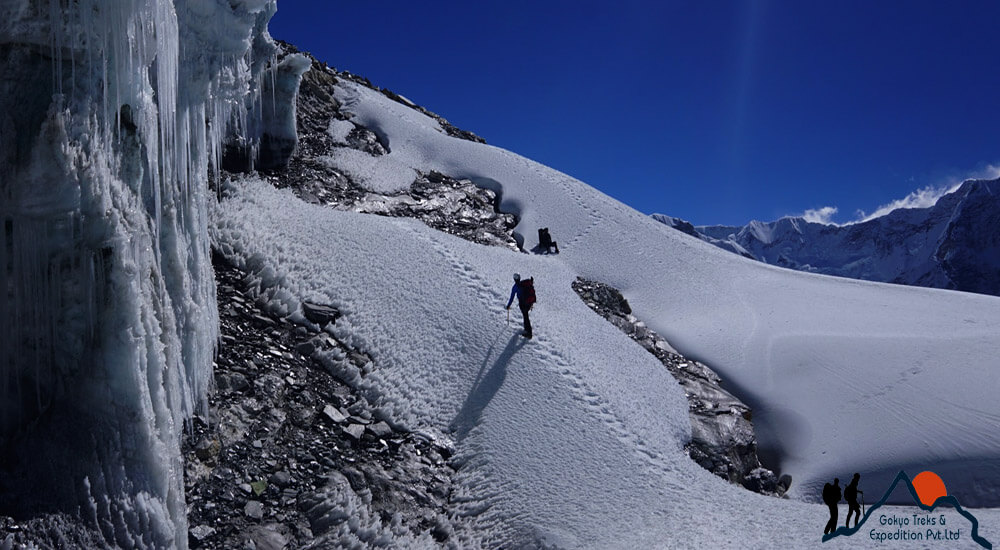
{"points": [[862, 493], [508, 317]]}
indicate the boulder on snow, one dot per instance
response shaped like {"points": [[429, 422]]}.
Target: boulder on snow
{"points": [[319, 313]]}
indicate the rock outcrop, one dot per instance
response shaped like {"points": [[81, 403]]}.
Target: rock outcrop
{"points": [[722, 436], [454, 206]]}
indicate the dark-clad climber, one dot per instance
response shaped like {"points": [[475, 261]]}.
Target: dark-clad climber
{"points": [[831, 496], [525, 292], [545, 241], [851, 493]]}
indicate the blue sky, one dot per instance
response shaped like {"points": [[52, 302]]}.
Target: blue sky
{"points": [[718, 112]]}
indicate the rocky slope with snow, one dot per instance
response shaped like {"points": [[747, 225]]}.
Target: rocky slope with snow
{"points": [[565, 433], [724, 442], [367, 391], [954, 244]]}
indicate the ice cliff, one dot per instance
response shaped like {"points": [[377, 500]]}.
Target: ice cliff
{"points": [[115, 114]]}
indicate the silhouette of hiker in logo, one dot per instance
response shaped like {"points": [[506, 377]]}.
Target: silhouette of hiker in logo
{"points": [[831, 496], [851, 493]]}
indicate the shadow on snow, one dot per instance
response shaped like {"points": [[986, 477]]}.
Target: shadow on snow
{"points": [[486, 386]]}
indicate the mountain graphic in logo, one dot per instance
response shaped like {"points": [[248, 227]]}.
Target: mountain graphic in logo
{"points": [[929, 493]]}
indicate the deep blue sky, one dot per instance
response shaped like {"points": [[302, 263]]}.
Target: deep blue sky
{"points": [[714, 111]]}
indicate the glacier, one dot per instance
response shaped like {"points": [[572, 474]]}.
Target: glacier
{"points": [[117, 113]]}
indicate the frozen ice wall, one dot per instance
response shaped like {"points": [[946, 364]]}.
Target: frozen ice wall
{"points": [[278, 135], [114, 115]]}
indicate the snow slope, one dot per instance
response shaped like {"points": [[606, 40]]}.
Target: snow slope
{"points": [[783, 337], [576, 438]]}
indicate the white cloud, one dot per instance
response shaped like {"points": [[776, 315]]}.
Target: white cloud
{"points": [[928, 196], [822, 215], [921, 198], [990, 172]]}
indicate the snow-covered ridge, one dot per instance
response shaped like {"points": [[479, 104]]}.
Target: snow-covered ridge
{"points": [[106, 291], [952, 244]]}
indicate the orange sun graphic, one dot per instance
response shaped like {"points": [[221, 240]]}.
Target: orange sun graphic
{"points": [[929, 487]]}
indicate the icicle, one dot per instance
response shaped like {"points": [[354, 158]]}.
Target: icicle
{"points": [[105, 266]]}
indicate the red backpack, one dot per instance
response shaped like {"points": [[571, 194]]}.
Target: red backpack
{"points": [[528, 291]]}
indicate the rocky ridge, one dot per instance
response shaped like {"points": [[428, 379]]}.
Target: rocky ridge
{"points": [[448, 127], [454, 206]]}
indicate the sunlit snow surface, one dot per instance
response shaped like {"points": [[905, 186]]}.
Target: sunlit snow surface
{"points": [[575, 438]]}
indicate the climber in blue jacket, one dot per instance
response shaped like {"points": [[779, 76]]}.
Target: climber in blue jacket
{"points": [[525, 292]]}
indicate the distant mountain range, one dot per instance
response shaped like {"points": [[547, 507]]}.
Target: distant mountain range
{"points": [[954, 244]]}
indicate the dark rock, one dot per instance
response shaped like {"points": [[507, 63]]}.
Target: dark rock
{"points": [[784, 482], [269, 537], [380, 429], [306, 348], [355, 478], [281, 479], [334, 414], [302, 416], [254, 509], [200, 533], [355, 430], [266, 321], [231, 382], [320, 314], [368, 141], [208, 449]]}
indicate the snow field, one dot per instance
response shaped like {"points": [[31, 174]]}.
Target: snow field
{"points": [[573, 439], [843, 374]]}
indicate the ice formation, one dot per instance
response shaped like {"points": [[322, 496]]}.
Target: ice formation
{"points": [[115, 114]]}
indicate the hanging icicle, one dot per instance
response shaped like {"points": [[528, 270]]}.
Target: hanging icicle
{"points": [[106, 282]]}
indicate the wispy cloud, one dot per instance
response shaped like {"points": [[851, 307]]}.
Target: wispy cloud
{"points": [[921, 198], [990, 172], [822, 215]]}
